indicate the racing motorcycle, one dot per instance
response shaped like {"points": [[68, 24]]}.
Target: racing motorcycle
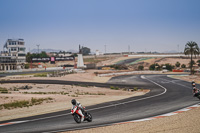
{"points": [[197, 95], [77, 117], [196, 92]]}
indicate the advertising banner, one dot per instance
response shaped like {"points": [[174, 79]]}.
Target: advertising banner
{"points": [[53, 59]]}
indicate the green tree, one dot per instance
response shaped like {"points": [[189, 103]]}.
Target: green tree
{"points": [[191, 48], [183, 66], [169, 67], [155, 66], [28, 57], [85, 50], [27, 66], [177, 64], [192, 63], [43, 54]]}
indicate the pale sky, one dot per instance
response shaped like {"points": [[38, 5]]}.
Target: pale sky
{"points": [[144, 25]]}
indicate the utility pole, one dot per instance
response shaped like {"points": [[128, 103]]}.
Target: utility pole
{"points": [[178, 48], [38, 47], [105, 48]]}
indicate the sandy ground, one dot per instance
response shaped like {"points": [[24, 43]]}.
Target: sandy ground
{"points": [[174, 60], [86, 95], [87, 76]]}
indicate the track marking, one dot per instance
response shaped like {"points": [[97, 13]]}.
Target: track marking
{"points": [[165, 90], [161, 116], [173, 81], [9, 123]]}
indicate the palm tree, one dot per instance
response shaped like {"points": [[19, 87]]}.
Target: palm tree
{"points": [[191, 48]]}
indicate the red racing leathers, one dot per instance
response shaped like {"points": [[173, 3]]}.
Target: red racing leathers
{"points": [[78, 109]]}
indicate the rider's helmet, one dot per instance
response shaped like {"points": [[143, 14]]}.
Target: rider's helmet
{"points": [[73, 101]]}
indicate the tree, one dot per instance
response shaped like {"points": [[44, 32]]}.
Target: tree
{"points": [[28, 57], [155, 66], [43, 54], [191, 48], [192, 63], [169, 66], [85, 50], [177, 64], [198, 62], [183, 66], [140, 67]]}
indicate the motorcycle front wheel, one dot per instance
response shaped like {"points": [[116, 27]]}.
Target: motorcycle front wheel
{"points": [[89, 117], [77, 118]]}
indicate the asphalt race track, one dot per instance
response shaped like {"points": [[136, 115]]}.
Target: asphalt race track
{"points": [[166, 95]]}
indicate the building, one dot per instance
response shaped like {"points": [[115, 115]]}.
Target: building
{"points": [[7, 63], [14, 51], [98, 53]]}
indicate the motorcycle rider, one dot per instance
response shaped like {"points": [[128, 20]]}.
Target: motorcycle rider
{"points": [[195, 91], [77, 105], [193, 84]]}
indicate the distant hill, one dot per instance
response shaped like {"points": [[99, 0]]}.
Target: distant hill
{"points": [[72, 50], [172, 51]]}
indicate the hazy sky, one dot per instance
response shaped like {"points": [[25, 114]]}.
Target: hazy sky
{"points": [[144, 25]]}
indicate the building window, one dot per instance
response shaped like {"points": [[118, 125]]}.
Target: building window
{"points": [[13, 49], [21, 54], [22, 49], [21, 43]]}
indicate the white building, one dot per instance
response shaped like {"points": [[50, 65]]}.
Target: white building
{"points": [[16, 49], [13, 57], [98, 52]]}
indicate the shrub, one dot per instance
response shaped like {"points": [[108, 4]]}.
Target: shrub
{"points": [[27, 66], [135, 88], [155, 66], [140, 67], [183, 66], [3, 90], [74, 95], [24, 103], [177, 64], [169, 67], [40, 75], [114, 88]]}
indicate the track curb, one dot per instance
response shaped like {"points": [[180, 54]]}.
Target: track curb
{"points": [[162, 116]]}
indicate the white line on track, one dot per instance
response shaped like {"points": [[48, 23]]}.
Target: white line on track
{"points": [[173, 81]]}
